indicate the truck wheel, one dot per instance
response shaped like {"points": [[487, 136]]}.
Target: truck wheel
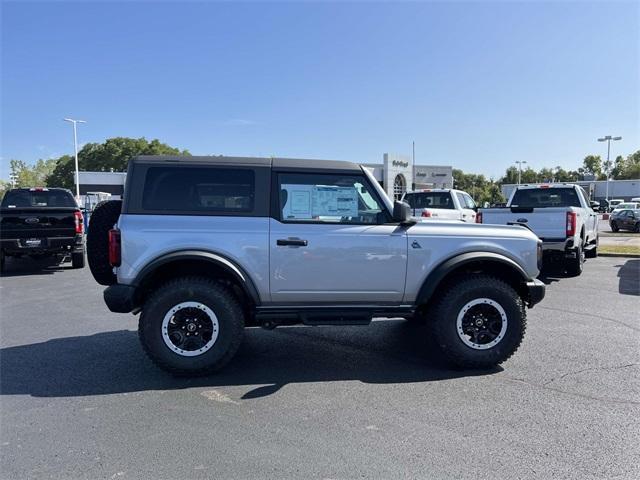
{"points": [[574, 266], [77, 259], [103, 217], [480, 323], [593, 252], [191, 326]]}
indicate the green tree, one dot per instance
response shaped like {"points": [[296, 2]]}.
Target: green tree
{"points": [[628, 168], [592, 165], [112, 155], [31, 175]]}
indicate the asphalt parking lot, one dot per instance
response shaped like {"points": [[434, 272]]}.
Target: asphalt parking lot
{"points": [[80, 400]]}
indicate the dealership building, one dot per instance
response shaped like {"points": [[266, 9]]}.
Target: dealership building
{"points": [[396, 174]]}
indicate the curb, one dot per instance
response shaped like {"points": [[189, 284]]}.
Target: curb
{"points": [[628, 255]]}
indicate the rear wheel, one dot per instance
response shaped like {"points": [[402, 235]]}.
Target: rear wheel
{"points": [[592, 252], [575, 265], [1, 261], [480, 323], [191, 326], [77, 259], [636, 228], [103, 218]]}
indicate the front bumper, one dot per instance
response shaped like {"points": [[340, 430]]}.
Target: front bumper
{"points": [[535, 292], [120, 298]]}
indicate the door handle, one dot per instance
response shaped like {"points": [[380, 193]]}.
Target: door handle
{"points": [[293, 242]]}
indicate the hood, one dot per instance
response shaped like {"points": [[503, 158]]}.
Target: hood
{"points": [[472, 230]]}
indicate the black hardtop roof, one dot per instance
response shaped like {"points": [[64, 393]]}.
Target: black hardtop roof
{"points": [[278, 163], [38, 189]]}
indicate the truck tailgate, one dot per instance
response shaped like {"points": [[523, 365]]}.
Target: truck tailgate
{"points": [[548, 223], [20, 223]]}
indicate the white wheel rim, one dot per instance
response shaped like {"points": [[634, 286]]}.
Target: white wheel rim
{"points": [[167, 322], [460, 324]]}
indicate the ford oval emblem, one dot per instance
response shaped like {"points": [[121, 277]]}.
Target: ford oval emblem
{"points": [[522, 220], [32, 220]]}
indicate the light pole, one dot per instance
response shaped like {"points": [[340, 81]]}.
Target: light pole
{"points": [[520, 162], [75, 145], [413, 166], [608, 139]]}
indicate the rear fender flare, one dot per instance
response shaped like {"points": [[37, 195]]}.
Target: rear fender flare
{"points": [[219, 260]]}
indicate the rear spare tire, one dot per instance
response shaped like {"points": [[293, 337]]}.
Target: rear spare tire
{"points": [[103, 218]]}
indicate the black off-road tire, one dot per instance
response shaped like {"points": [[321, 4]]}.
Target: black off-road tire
{"points": [[593, 252], [103, 217], [445, 315], [213, 295], [574, 266], [77, 259]]}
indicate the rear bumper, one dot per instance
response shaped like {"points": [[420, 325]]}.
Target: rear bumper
{"points": [[558, 244], [535, 292], [48, 245], [120, 298]]}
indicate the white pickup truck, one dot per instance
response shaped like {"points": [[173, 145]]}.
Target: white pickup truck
{"points": [[441, 204], [559, 214]]}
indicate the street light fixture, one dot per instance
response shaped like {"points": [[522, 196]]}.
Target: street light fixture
{"points": [[608, 139], [520, 162], [75, 145]]}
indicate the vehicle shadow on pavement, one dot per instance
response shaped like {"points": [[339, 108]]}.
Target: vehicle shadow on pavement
{"points": [[113, 362], [629, 275], [553, 272], [17, 267]]}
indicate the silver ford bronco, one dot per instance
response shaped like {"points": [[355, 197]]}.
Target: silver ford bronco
{"points": [[203, 247]]}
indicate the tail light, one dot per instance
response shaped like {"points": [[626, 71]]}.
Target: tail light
{"points": [[79, 222], [114, 248], [571, 224], [426, 213], [479, 217]]}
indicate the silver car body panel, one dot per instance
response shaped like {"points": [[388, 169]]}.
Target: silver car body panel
{"points": [[341, 263], [242, 240]]}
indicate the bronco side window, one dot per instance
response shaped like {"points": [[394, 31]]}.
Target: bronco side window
{"points": [[206, 190], [319, 198]]}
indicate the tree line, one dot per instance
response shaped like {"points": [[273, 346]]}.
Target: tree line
{"points": [[114, 153]]}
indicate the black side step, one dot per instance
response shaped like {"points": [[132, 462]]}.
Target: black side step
{"points": [[335, 318]]}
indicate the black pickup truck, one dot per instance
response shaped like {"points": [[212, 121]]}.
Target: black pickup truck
{"points": [[41, 222]]}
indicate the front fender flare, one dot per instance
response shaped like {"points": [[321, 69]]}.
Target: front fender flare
{"points": [[447, 266]]}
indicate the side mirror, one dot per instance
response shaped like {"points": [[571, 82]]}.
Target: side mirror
{"points": [[401, 212]]}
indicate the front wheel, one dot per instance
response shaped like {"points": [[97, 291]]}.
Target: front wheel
{"points": [[614, 227], [479, 323], [191, 326]]}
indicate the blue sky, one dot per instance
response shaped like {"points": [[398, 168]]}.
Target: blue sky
{"points": [[477, 85]]}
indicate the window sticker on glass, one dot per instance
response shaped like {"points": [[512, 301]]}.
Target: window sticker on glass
{"points": [[304, 202], [301, 203]]}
